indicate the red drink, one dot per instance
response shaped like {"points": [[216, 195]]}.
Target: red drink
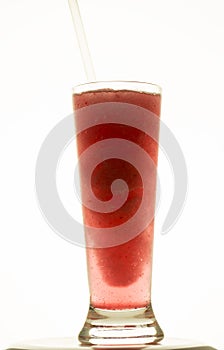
{"points": [[119, 272]]}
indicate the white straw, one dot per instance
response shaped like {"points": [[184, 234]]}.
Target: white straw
{"points": [[81, 36]]}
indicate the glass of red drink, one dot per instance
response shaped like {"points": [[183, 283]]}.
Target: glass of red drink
{"points": [[117, 128]]}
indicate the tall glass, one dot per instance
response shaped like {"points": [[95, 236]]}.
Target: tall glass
{"points": [[117, 127]]}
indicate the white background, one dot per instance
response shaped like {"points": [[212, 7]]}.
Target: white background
{"points": [[177, 44]]}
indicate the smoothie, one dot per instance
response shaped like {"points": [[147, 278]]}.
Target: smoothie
{"points": [[119, 276]]}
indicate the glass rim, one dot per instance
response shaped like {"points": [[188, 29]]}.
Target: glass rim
{"points": [[118, 85]]}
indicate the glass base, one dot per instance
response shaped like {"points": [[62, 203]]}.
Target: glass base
{"points": [[118, 327]]}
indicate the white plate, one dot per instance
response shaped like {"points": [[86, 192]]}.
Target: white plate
{"points": [[71, 344]]}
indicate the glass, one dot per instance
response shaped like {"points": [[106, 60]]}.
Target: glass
{"points": [[117, 127]]}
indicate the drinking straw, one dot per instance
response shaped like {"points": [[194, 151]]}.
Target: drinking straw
{"points": [[83, 44]]}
